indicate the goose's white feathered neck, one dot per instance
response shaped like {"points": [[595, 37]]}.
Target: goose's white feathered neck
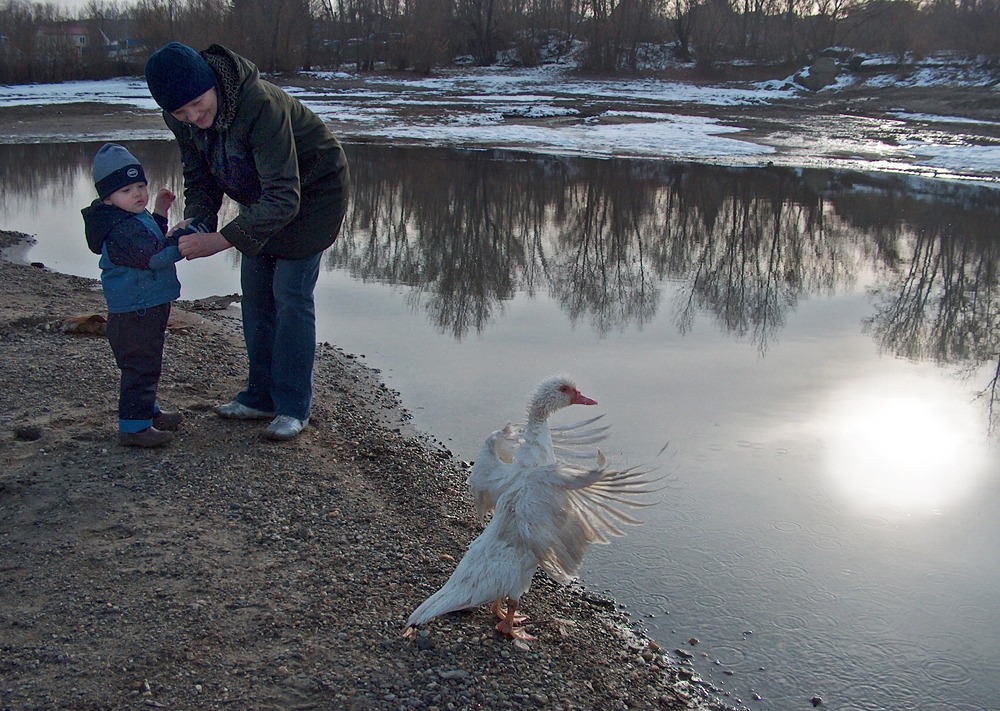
{"points": [[547, 399]]}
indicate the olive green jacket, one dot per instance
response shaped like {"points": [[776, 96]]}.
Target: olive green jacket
{"points": [[270, 154]]}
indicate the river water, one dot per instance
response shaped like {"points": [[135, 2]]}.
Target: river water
{"points": [[818, 350]]}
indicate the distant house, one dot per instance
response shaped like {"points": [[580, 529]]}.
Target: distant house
{"points": [[88, 40], [66, 38]]}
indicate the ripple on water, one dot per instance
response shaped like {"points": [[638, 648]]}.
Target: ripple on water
{"points": [[785, 526], [727, 655], [685, 515], [720, 559], [871, 622], [872, 695], [789, 570], [950, 704], [737, 569], [973, 613], [827, 544], [681, 578], [947, 671], [867, 696], [821, 596], [713, 604], [789, 622], [874, 521], [824, 530], [651, 602], [674, 483], [900, 654], [657, 554], [879, 674]]}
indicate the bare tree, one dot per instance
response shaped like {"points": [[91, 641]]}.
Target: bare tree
{"points": [[482, 19], [271, 32], [423, 43], [683, 25]]}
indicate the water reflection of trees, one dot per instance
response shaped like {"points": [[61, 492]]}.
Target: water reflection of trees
{"points": [[600, 236], [607, 239], [943, 301], [754, 244], [37, 169]]}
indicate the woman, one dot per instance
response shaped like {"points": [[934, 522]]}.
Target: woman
{"points": [[246, 138]]}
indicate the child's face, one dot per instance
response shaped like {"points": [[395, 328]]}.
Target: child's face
{"points": [[201, 111], [132, 198]]}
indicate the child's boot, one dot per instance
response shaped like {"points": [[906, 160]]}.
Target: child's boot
{"points": [[167, 421], [149, 437]]}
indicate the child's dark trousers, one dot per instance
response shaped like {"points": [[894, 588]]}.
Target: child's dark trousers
{"points": [[136, 339]]}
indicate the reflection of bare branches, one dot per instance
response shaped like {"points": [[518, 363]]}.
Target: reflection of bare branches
{"points": [[991, 392], [599, 266], [64, 164], [755, 252], [945, 304], [467, 230]]}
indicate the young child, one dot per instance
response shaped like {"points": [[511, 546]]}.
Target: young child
{"points": [[140, 282]]}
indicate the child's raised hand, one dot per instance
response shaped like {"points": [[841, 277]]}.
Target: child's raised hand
{"points": [[164, 199]]}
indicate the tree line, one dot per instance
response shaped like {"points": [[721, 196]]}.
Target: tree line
{"points": [[419, 35]]}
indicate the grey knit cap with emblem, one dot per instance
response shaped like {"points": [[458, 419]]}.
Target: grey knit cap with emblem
{"points": [[114, 168]]}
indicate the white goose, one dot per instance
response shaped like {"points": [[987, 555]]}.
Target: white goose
{"points": [[548, 512], [531, 444]]}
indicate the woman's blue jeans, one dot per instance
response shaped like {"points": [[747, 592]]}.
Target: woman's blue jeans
{"points": [[279, 326]]}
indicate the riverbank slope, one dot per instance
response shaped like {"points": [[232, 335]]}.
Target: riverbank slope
{"points": [[224, 571]]}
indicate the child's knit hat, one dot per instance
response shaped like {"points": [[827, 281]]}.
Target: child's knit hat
{"points": [[114, 168], [177, 75]]}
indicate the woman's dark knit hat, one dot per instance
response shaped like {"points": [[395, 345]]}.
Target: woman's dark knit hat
{"points": [[176, 75], [114, 168]]}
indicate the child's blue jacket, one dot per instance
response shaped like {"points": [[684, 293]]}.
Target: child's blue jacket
{"points": [[137, 261]]}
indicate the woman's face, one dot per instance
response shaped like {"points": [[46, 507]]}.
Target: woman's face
{"points": [[200, 111]]}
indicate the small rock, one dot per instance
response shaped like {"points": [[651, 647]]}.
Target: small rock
{"points": [[28, 433]]}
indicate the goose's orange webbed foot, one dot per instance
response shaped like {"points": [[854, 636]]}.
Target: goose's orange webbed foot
{"points": [[500, 610], [514, 632], [507, 626]]}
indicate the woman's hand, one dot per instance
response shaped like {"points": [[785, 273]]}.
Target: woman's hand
{"points": [[164, 199], [202, 244]]}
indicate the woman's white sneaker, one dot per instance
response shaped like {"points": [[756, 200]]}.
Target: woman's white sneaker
{"points": [[284, 428], [238, 411]]}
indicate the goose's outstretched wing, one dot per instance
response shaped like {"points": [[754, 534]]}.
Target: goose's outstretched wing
{"points": [[569, 508], [566, 438], [492, 471]]}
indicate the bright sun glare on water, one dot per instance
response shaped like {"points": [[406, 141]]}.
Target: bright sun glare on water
{"points": [[903, 443]]}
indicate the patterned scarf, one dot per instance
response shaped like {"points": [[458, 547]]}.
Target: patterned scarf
{"points": [[228, 74]]}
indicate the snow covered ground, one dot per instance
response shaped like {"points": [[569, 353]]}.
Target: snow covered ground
{"points": [[553, 110]]}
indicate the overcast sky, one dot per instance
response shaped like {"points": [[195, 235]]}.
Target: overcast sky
{"points": [[72, 6]]}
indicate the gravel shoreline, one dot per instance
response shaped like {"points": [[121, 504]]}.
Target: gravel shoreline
{"points": [[224, 571]]}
